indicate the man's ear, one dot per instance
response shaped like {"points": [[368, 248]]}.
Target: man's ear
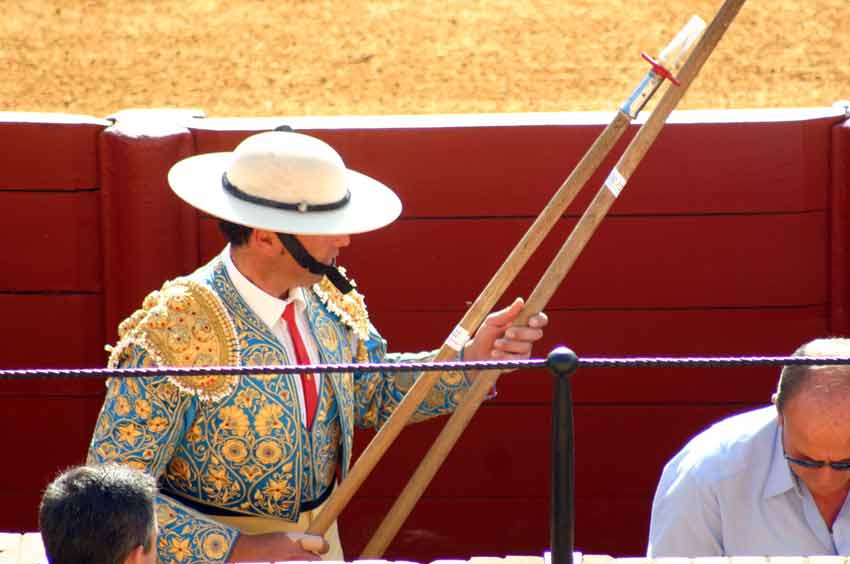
{"points": [[136, 556], [778, 415], [266, 242]]}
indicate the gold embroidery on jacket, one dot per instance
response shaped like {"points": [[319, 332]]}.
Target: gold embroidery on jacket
{"points": [[183, 324], [193, 539], [350, 308]]}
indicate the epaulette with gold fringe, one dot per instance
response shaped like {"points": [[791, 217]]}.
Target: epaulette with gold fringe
{"points": [[350, 308], [183, 324]]}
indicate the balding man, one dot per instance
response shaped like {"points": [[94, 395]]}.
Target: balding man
{"points": [[768, 482]]}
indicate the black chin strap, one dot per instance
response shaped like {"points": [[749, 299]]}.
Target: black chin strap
{"points": [[302, 257]]}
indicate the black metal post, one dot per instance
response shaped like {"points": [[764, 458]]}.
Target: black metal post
{"points": [[562, 362]]}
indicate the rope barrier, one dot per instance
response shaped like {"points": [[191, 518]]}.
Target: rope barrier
{"points": [[708, 361], [622, 362]]}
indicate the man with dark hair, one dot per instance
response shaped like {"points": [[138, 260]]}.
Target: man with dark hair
{"points": [[99, 514], [235, 234], [245, 464], [769, 482]]}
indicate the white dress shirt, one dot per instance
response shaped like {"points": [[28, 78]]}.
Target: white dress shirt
{"points": [[730, 492], [270, 310]]}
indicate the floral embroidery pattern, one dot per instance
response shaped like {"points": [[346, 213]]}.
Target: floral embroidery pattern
{"points": [[242, 448], [183, 324]]}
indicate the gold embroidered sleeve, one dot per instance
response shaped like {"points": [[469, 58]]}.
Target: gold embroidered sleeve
{"points": [[378, 394], [140, 424], [141, 420], [183, 324], [187, 536]]}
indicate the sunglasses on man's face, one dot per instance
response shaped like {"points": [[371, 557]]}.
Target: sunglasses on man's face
{"points": [[812, 464], [841, 466]]}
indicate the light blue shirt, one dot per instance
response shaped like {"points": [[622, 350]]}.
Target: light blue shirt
{"points": [[730, 492]]}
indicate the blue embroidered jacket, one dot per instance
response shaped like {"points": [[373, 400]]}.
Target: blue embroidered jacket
{"points": [[238, 442]]}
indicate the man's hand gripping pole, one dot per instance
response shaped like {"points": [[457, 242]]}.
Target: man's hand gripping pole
{"points": [[491, 294]]}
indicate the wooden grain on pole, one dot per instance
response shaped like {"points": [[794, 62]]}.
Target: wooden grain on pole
{"points": [[550, 281], [494, 290]]}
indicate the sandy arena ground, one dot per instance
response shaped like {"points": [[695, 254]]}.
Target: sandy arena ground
{"points": [[333, 57]]}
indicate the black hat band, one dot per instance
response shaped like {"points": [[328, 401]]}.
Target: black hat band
{"points": [[301, 207]]}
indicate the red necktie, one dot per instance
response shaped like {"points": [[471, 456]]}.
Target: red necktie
{"points": [[311, 397]]}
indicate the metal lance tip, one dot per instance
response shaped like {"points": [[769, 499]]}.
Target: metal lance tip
{"points": [[665, 66]]}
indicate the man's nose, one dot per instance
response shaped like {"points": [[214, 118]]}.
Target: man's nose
{"points": [[827, 475], [343, 241]]}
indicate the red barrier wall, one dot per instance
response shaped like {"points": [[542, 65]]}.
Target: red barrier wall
{"points": [[840, 231], [143, 239], [51, 299], [731, 238]]}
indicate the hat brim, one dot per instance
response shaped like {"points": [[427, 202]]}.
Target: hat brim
{"points": [[197, 181]]}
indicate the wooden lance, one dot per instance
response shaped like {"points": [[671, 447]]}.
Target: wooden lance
{"points": [[670, 58], [553, 277]]}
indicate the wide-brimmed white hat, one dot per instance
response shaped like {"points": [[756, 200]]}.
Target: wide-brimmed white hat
{"points": [[285, 182]]}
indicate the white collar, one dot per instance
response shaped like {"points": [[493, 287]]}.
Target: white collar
{"points": [[269, 308]]}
